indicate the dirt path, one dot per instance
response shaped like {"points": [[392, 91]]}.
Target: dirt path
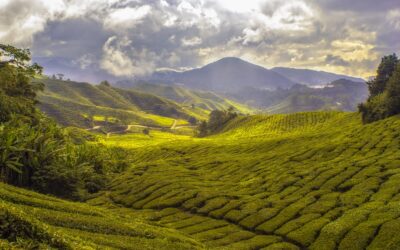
{"points": [[174, 124]]}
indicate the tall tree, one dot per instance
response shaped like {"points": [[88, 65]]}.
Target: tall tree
{"points": [[384, 99], [393, 92], [384, 72], [17, 93]]}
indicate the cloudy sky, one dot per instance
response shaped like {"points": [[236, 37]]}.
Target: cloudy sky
{"points": [[115, 39]]}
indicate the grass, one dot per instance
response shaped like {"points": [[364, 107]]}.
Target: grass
{"points": [[138, 139]]}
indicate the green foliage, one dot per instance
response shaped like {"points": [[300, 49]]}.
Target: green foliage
{"points": [[17, 94], [384, 72], [216, 121], [43, 157], [34, 151], [384, 99]]}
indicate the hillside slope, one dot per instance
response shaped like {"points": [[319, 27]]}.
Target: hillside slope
{"points": [[342, 94], [317, 180], [81, 104], [204, 99], [33, 221]]}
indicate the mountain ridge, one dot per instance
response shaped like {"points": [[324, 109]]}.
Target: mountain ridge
{"points": [[231, 74]]}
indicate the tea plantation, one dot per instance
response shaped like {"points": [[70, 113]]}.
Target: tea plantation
{"points": [[318, 180], [33, 221]]}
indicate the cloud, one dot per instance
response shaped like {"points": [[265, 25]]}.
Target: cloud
{"points": [[121, 59], [394, 18], [336, 60], [122, 38], [126, 17]]}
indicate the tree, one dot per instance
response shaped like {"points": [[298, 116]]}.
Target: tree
{"points": [[384, 72], [17, 92], [217, 119], [384, 99], [202, 129], [60, 76], [146, 131], [192, 120], [105, 83], [393, 93]]}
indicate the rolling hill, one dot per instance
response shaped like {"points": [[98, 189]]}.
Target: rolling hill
{"points": [[318, 180], [82, 104], [206, 100]]}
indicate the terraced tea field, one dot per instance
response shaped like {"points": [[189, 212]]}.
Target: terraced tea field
{"points": [[301, 181], [32, 221]]}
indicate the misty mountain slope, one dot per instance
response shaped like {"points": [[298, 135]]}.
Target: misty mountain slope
{"points": [[225, 75], [312, 77], [341, 94], [206, 100]]}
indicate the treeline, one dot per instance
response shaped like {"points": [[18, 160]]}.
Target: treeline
{"points": [[34, 151], [216, 121], [384, 89]]}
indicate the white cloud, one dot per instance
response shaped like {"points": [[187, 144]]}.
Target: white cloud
{"points": [[126, 17], [239, 6], [121, 59], [191, 42], [85, 61]]}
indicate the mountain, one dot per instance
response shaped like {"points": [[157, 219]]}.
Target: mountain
{"points": [[312, 77], [225, 75]]}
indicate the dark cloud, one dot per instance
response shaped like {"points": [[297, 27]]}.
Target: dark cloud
{"points": [[336, 60], [358, 5]]}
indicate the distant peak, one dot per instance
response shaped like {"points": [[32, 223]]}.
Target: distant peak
{"points": [[231, 59]]}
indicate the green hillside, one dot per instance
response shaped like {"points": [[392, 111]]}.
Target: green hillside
{"points": [[85, 105], [204, 99], [33, 221], [317, 180]]}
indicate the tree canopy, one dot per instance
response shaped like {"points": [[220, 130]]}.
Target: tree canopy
{"points": [[384, 98]]}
